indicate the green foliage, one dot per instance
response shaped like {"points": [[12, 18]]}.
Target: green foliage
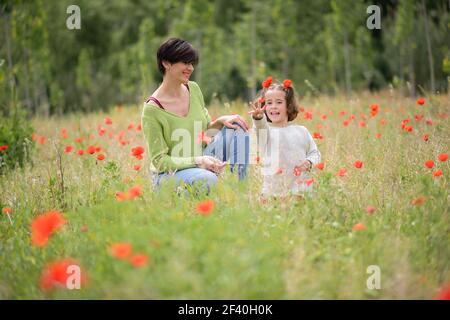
{"points": [[111, 60], [244, 249], [15, 132]]}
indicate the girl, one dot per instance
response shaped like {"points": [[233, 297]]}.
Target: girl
{"points": [[288, 151]]}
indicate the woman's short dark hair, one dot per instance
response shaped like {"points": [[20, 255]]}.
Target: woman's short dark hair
{"points": [[176, 50]]}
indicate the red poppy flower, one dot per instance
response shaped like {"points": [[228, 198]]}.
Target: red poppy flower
{"points": [[443, 157], [130, 126], [44, 226], [90, 150], [309, 181], [7, 210], [425, 137], [64, 133], [134, 192], [101, 157], [42, 139], [120, 250], [420, 101], [317, 135], [139, 127], [429, 122], [205, 207], [108, 120], [125, 142], [307, 115], [121, 135], [341, 113], [378, 136], [101, 130], [287, 83], [80, 152], [358, 164], [56, 274], [139, 260], [257, 159], [68, 149], [437, 173], [121, 196], [137, 167], [320, 166], [409, 129], [79, 140], [444, 293], [383, 122], [359, 227], [362, 124], [342, 172], [429, 164], [418, 201], [137, 152], [266, 83], [297, 171], [346, 122], [3, 148], [279, 171], [370, 210], [418, 117]]}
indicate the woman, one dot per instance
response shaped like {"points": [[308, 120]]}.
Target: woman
{"points": [[174, 122]]}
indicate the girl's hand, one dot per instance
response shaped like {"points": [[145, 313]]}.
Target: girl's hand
{"points": [[210, 163], [305, 165], [258, 110], [233, 121]]}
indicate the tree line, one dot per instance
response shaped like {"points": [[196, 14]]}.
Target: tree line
{"points": [[324, 46]]}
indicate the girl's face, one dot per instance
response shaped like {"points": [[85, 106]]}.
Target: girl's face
{"points": [[276, 108], [180, 71]]}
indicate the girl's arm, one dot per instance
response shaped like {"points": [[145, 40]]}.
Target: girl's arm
{"points": [[262, 130], [313, 155]]}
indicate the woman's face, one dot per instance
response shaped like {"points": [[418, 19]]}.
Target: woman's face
{"points": [[276, 108], [179, 70]]}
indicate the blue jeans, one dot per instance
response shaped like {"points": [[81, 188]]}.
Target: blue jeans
{"points": [[229, 144]]}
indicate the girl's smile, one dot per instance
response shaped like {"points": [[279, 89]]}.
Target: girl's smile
{"points": [[276, 109]]}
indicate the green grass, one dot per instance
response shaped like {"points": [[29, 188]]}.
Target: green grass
{"points": [[244, 249]]}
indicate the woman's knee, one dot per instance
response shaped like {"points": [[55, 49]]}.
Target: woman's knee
{"points": [[204, 176]]}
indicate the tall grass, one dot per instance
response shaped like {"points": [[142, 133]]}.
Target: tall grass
{"points": [[245, 249]]}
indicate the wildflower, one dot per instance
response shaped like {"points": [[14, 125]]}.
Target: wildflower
{"points": [[44, 226], [205, 207]]}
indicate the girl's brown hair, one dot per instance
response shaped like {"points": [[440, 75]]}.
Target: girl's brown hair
{"points": [[291, 101]]}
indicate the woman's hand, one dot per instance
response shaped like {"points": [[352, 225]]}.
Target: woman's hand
{"points": [[233, 121], [257, 111], [210, 163]]}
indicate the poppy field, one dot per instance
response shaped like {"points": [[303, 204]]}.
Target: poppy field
{"points": [[380, 199]]}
